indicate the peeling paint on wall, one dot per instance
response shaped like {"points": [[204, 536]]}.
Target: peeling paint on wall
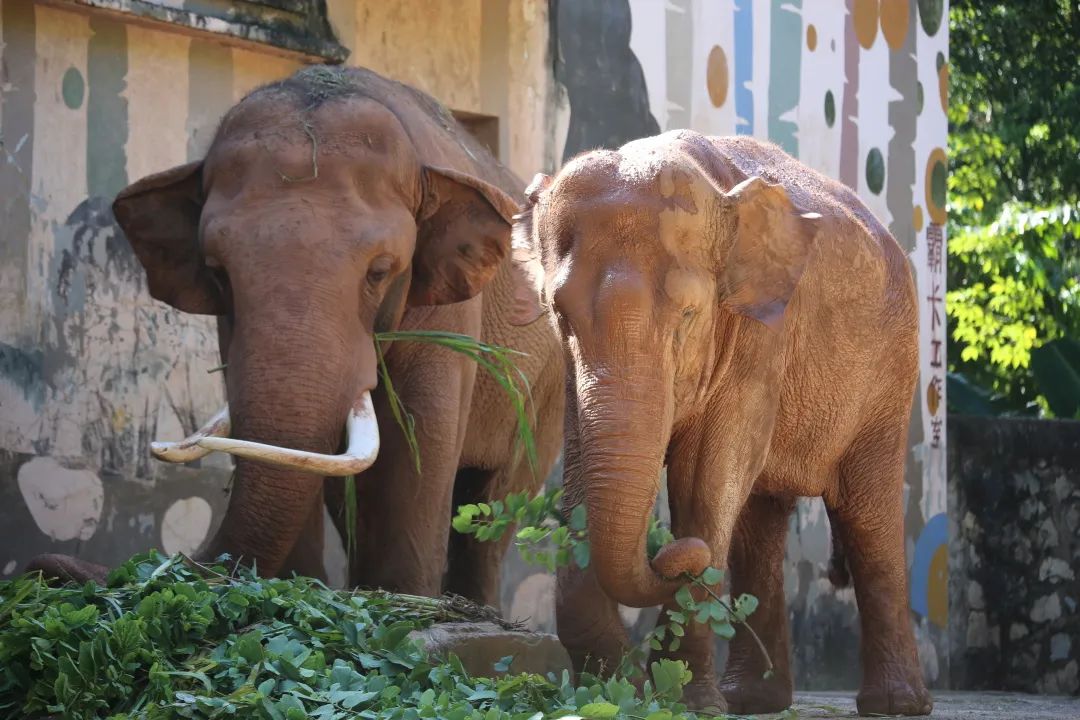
{"points": [[92, 369]]}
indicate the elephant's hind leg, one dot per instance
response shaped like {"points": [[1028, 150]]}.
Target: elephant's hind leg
{"points": [[756, 562], [869, 510]]}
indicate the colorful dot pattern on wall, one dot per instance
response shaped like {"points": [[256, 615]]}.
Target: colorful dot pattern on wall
{"points": [[930, 571], [717, 76], [931, 12], [894, 22], [875, 171], [936, 174], [73, 88]]}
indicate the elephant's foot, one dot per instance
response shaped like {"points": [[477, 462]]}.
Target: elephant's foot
{"points": [[703, 697], [754, 695], [901, 694]]}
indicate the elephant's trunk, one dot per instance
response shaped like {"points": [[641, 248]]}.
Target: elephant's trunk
{"points": [[291, 385], [623, 434]]}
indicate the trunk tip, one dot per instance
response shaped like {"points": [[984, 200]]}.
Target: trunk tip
{"points": [[685, 556]]}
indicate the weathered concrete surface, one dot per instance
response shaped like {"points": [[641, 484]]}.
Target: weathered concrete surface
{"points": [[950, 706], [1015, 554], [481, 645]]}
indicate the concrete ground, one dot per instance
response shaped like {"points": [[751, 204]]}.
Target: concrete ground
{"points": [[949, 706]]}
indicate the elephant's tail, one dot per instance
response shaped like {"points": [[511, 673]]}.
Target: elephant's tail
{"points": [[839, 571]]}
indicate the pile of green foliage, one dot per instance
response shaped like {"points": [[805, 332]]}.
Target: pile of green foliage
{"points": [[170, 637]]}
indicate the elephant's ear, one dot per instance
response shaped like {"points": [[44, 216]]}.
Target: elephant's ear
{"points": [[160, 217], [462, 234], [525, 254], [772, 242]]}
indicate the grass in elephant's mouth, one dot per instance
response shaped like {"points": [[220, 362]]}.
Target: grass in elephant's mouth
{"points": [[496, 360]]}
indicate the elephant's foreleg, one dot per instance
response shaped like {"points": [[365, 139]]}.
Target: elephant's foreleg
{"points": [[588, 622], [306, 556], [869, 509], [404, 515], [708, 485], [756, 563]]}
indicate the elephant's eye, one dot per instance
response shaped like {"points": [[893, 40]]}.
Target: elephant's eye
{"points": [[379, 269]]}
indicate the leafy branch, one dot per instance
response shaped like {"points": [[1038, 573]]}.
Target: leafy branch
{"points": [[548, 537]]}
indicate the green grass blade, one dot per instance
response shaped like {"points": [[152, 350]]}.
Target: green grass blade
{"points": [[401, 415], [494, 359], [350, 518]]}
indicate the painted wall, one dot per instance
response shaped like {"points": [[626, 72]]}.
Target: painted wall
{"points": [[856, 89], [92, 369]]}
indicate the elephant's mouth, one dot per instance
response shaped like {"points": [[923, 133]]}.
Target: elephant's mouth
{"points": [[361, 430]]}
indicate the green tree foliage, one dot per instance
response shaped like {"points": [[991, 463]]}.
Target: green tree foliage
{"points": [[1014, 143]]}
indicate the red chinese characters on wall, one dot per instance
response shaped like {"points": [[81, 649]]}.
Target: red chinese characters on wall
{"points": [[935, 389]]}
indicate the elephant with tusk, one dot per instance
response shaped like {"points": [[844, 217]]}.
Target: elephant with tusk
{"points": [[333, 205]]}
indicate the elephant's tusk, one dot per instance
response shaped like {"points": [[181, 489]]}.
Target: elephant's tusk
{"points": [[361, 428], [188, 449]]}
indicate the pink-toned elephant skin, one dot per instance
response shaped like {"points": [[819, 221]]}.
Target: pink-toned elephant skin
{"points": [[740, 318]]}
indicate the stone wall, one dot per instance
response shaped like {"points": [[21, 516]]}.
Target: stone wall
{"points": [[1014, 499]]}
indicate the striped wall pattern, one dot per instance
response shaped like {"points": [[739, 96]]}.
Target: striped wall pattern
{"points": [[92, 369]]}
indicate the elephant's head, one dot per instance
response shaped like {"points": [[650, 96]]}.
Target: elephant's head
{"points": [[312, 223], [653, 260]]}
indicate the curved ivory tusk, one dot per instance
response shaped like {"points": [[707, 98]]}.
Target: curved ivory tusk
{"points": [[188, 449], [361, 428]]}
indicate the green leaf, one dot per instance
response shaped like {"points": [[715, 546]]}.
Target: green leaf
{"points": [[723, 629], [1056, 367], [669, 677], [249, 646], [684, 598], [581, 554], [504, 663], [712, 576], [579, 517], [599, 710], [745, 605]]}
